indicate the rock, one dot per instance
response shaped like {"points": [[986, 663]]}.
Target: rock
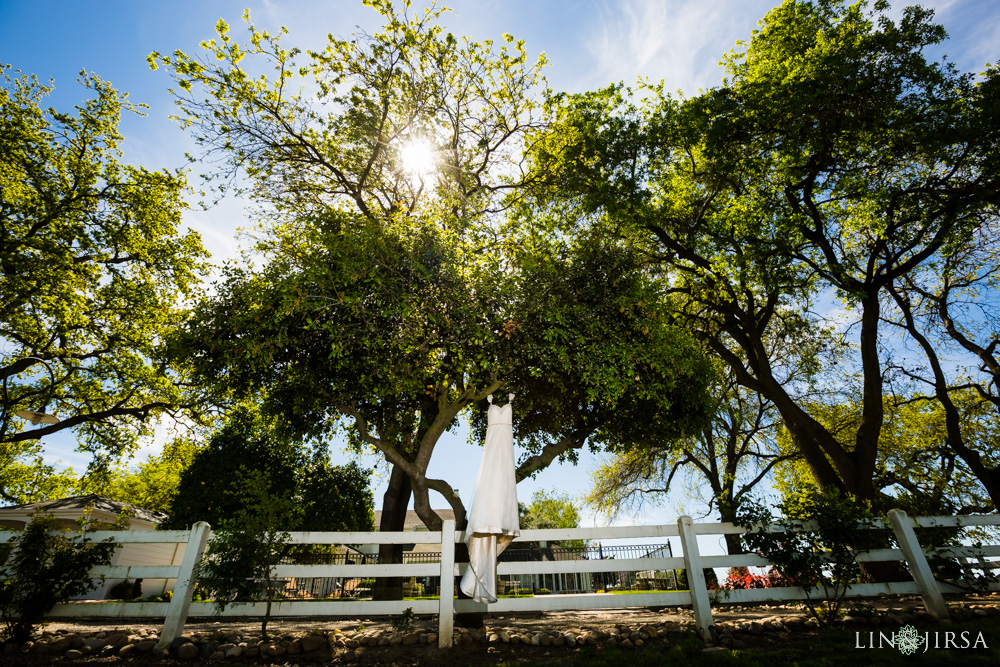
{"points": [[60, 645], [208, 649], [312, 643], [627, 643], [494, 638], [126, 650], [639, 643], [73, 654], [251, 652], [145, 646], [273, 650], [294, 647], [714, 649], [217, 656], [570, 639], [101, 635], [234, 652], [546, 640], [756, 627], [504, 637], [187, 651], [96, 643], [77, 642], [536, 640], [515, 639], [432, 638], [411, 638], [559, 640]]}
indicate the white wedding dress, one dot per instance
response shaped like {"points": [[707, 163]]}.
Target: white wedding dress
{"points": [[493, 519]]}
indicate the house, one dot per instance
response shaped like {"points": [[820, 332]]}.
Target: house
{"points": [[103, 513]]}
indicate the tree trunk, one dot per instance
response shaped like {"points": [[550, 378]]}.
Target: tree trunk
{"points": [[734, 544], [394, 504]]}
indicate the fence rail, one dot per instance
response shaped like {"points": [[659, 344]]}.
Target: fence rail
{"points": [[176, 612]]}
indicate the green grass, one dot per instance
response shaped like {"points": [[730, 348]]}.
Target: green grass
{"points": [[835, 646]]}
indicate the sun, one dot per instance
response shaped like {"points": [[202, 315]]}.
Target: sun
{"points": [[418, 157]]}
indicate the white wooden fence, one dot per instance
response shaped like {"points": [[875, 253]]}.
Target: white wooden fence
{"points": [[177, 610]]}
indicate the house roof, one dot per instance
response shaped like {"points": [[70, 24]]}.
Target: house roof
{"points": [[413, 522], [78, 504]]}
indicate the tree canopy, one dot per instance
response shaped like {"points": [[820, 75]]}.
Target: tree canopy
{"points": [[213, 487], [389, 300], [833, 161], [94, 267]]}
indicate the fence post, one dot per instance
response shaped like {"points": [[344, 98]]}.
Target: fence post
{"points": [[446, 612], [917, 563], [696, 578], [180, 601]]}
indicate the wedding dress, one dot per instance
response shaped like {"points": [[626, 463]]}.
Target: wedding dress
{"points": [[493, 519]]}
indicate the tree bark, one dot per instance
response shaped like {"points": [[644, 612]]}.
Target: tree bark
{"points": [[394, 503]]}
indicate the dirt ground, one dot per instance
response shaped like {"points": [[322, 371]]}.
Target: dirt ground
{"points": [[478, 654]]}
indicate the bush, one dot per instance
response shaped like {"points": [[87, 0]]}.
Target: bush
{"points": [[740, 578], [824, 558], [121, 591], [711, 579], [44, 570]]}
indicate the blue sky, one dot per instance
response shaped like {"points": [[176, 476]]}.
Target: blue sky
{"points": [[590, 43]]}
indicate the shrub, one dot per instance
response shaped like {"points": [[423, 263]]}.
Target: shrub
{"points": [[740, 578], [121, 591], [44, 570], [824, 558], [711, 579], [405, 621]]}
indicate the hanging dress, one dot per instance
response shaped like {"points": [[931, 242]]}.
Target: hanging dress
{"points": [[493, 520]]}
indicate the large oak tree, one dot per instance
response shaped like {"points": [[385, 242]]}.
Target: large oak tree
{"points": [[833, 161], [93, 265]]}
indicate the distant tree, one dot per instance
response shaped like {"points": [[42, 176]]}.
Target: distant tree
{"points": [[26, 478], [549, 509], [211, 489], [151, 484], [94, 270], [917, 466], [726, 461]]}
